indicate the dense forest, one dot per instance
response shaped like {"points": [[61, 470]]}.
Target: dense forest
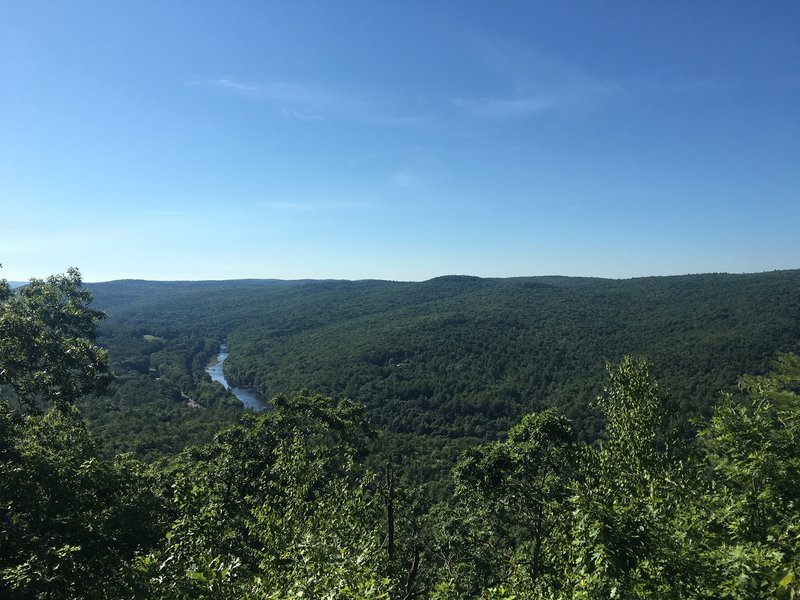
{"points": [[438, 364], [456, 438]]}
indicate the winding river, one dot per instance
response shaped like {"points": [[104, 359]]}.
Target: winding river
{"points": [[248, 397]]}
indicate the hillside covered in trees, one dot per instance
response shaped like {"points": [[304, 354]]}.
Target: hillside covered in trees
{"points": [[288, 503], [455, 358]]}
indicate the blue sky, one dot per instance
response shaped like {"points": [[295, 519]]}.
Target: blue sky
{"points": [[398, 140]]}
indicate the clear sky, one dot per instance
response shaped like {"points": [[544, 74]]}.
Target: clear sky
{"points": [[398, 140]]}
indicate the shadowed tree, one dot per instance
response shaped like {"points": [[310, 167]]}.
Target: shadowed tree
{"points": [[70, 522]]}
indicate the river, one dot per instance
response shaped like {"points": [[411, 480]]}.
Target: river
{"points": [[248, 397]]}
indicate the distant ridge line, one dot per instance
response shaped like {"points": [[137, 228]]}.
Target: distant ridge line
{"points": [[450, 277]]}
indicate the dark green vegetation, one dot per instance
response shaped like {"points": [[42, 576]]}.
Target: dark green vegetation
{"points": [[304, 500], [160, 400]]}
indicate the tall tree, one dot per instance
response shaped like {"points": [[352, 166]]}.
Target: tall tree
{"points": [[47, 350], [510, 522], [631, 536], [70, 522]]}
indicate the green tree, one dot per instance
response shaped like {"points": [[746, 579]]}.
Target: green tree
{"points": [[275, 507], [47, 354], [633, 536], [70, 523], [510, 521], [752, 453]]}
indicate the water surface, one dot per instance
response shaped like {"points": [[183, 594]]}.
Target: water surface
{"points": [[247, 396]]}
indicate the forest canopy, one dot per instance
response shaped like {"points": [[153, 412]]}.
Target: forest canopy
{"points": [[297, 502], [455, 358]]}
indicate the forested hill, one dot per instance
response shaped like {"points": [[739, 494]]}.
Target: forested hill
{"points": [[465, 356]]}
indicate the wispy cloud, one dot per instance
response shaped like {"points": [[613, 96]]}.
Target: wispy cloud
{"points": [[29, 243], [561, 98], [321, 206], [531, 83], [225, 83], [167, 213], [300, 115], [290, 206], [304, 101], [406, 179], [667, 81], [346, 205], [506, 108], [705, 84]]}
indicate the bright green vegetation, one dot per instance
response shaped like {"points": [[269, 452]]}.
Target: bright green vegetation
{"points": [[310, 499]]}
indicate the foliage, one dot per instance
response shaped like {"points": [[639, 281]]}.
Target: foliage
{"points": [[461, 357], [509, 499], [161, 399], [286, 503], [752, 451], [274, 505], [46, 350], [70, 522], [633, 534]]}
